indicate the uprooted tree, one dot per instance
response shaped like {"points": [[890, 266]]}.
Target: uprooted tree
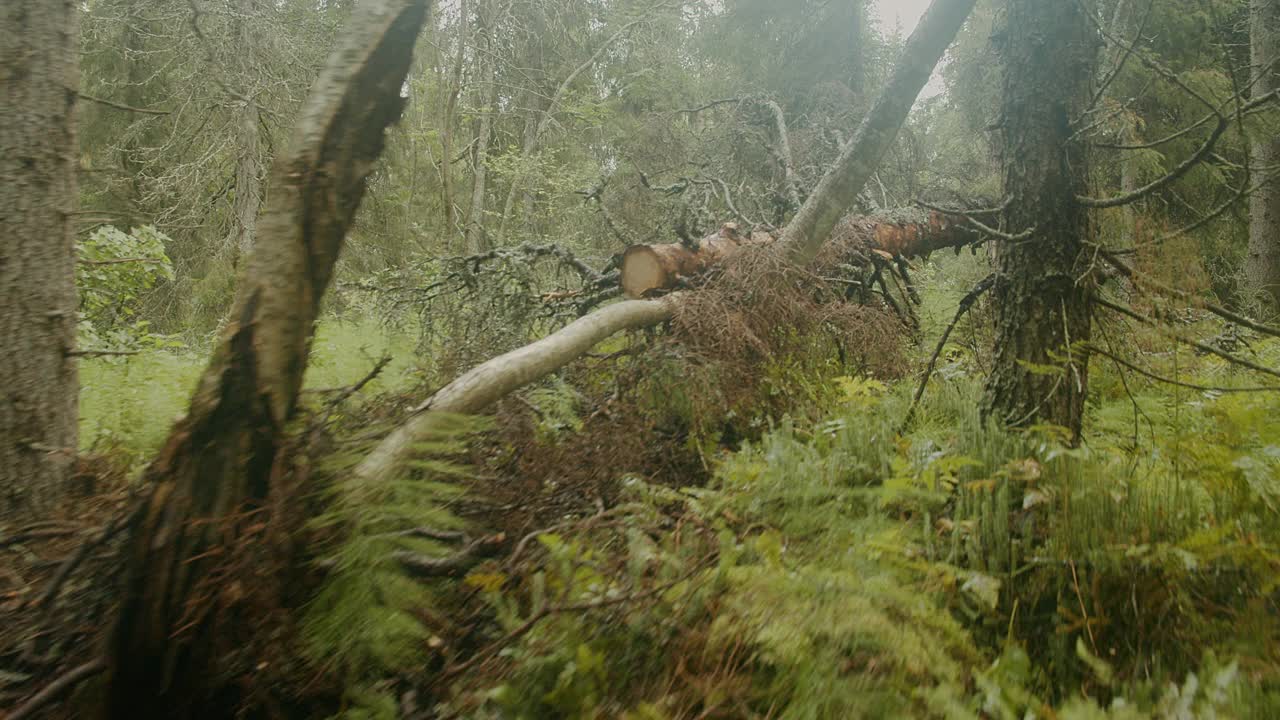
{"points": [[220, 470], [800, 243]]}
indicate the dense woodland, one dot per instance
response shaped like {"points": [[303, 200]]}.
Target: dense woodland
{"points": [[644, 359]]}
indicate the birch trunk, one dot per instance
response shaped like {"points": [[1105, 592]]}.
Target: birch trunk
{"points": [[221, 459]]}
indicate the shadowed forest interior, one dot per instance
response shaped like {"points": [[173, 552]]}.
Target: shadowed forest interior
{"points": [[645, 359]]}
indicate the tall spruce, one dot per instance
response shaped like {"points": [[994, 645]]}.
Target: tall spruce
{"points": [[1043, 286], [38, 94]]}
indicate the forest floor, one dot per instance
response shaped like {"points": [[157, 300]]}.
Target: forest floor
{"points": [[825, 562]]}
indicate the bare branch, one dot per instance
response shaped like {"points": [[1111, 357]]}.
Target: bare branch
{"points": [[1158, 184], [1140, 280], [1179, 383], [64, 683], [966, 302], [1169, 332], [119, 106]]}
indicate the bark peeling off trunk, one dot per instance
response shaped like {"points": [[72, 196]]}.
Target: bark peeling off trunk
{"points": [[646, 268], [1043, 284], [38, 383], [221, 458]]}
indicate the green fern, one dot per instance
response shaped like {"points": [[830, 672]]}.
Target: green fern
{"points": [[362, 624]]}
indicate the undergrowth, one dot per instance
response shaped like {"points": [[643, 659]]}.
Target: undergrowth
{"points": [[956, 571], [128, 404]]}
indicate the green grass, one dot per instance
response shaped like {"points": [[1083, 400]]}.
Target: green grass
{"points": [[128, 404]]}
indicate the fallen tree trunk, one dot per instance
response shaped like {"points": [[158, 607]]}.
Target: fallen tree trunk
{"points": [[650, 268], [167, 653], [490, 381], [480, 387]]}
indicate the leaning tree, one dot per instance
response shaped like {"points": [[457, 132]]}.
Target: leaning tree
{"points": [[224, 458]]}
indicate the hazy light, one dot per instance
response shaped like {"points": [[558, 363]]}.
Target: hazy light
{"points": [[902, 14]]}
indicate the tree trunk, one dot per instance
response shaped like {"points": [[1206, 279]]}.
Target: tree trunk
{"points": [[477, 389], [248, 187], [248, 183], [220, 460], [490, 381], [646, 268], [488, 92], [1263, 264], [1043, 286], [39, 79], [784, 152], [450, 108]]}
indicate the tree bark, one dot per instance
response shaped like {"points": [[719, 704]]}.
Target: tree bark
{"points": [[646, 268], [1043, 285], [479, 388], [839, 188], [1263, 264], [475, 237], [450, 107], [221, 459], [248, 187], [39, 387]]}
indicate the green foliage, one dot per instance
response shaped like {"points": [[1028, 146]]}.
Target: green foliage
{"points": [[129, 403], [115, 272], [362, 623]]}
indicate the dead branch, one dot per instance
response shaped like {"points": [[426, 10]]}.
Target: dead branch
{"points": [[966, 303], [64, 683], [784, 150], [1142, 281], [1178, 383], [453, 565], [120, 261], [1168, 332], [119, 106], [1160, 183]]}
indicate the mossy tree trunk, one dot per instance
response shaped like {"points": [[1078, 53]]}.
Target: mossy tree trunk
{"points": [[1043, 287], [38, 384], [223, 457]]}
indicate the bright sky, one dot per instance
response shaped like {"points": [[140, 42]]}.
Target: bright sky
{"points": [[905, 14], [900, 12]]}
